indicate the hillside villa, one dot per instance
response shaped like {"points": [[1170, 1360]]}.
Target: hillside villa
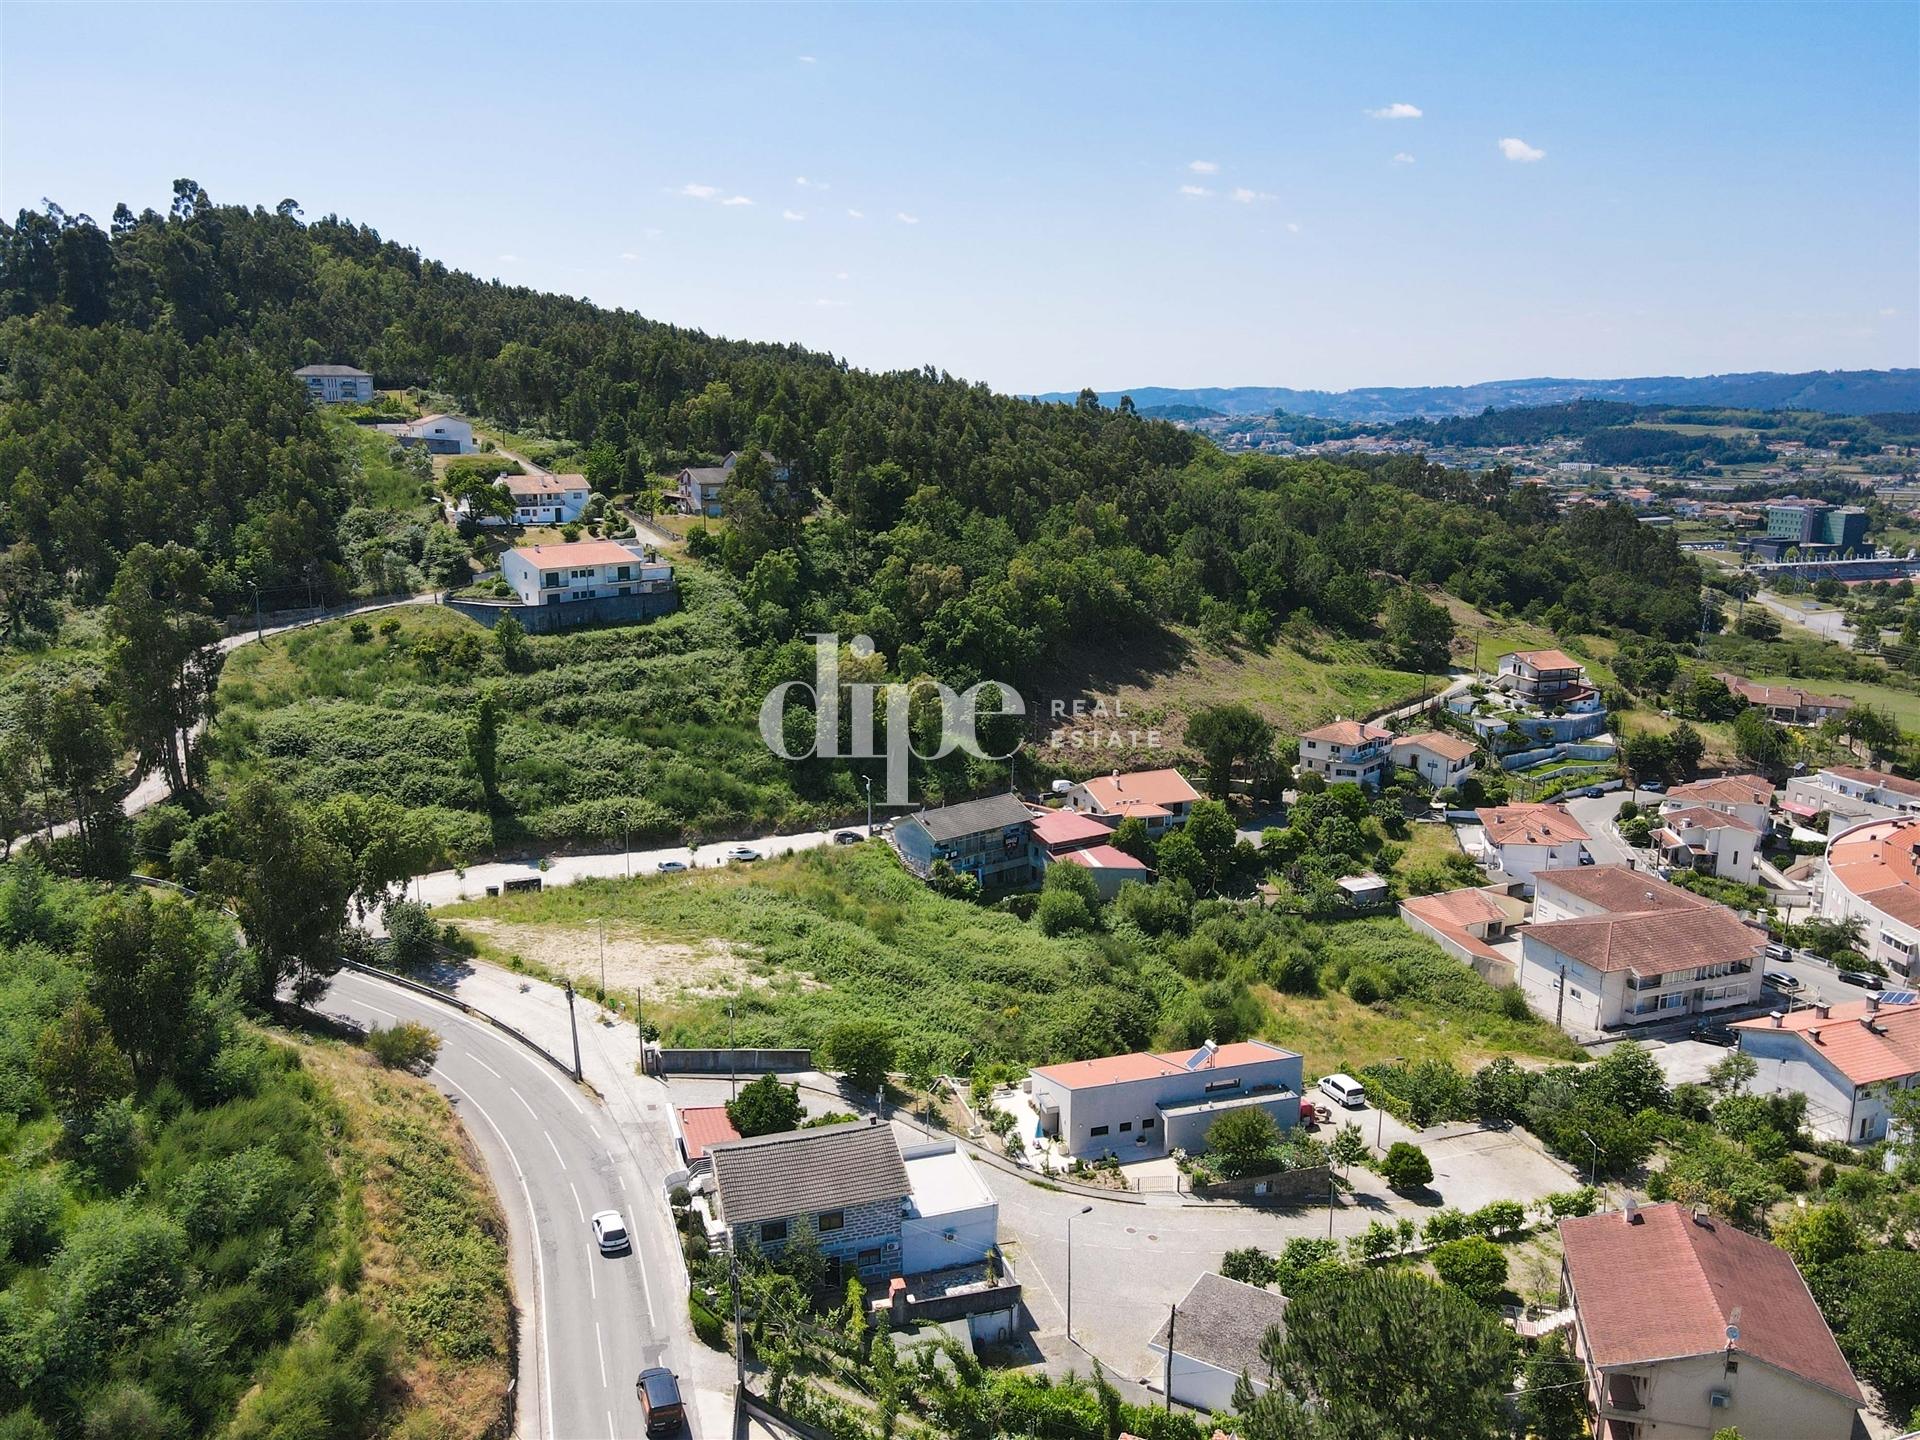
{"points": [[1748, 797], [698, 488], [540, 500], [585, 570], [1844, 1058], [1543, 678], [336, 384], [438, 434], [1787, 704], [1522, 840], [1348, 752], [1685, 1325], [1440, 759], [1161, 798], [1608, 946], [1709, 843]]}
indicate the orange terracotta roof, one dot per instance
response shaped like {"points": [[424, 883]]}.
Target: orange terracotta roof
{"points": [[1067, 827], [1666, 1287], [1701, 818], [542, 484], [1106, 857], [582, 552], [1165, 788], [1879, 862], [1448, 747], [1348, 732], [1619, 890], [1141, 1065], [1758, 694], [1726, 790], [1530, 825], [1868, 1046], [1652, 942], [705, 1125], [1471, 906]]}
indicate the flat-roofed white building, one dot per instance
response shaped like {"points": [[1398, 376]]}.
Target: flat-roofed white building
{"points": [[1142, 1105], [440, 434], [950, 1217]]}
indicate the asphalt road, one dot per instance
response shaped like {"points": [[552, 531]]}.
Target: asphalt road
{"points": [[591, 1323]]}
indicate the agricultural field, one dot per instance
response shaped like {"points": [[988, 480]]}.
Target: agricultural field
{"points": [[803, 943]]}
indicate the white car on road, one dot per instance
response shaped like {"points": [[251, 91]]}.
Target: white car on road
{"points": [[743, 852], [610, 1233], [671, 867]]}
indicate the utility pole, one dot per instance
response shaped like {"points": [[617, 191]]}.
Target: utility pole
{"points": [[603, 959], [1084, 1210], [1331, 1194], [574, 1026], [626, 841], [739, 1328], [259, 633], [733, 1071], [1560, 998], [1173, 1314], [869, 783]]}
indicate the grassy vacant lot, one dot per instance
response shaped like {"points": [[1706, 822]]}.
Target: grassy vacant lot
{"points": [[654, 719], [810, 940], [381, 484]]}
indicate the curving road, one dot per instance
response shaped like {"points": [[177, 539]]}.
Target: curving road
{"points": [[589, 1323]]}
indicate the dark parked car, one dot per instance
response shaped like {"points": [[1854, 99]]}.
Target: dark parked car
{"points": [[846, 837], [660, 1401], [1711, 1034], [1783, 982], [1862, 979]]}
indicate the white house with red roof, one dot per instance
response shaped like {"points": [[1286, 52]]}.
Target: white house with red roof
{"points": [[1519, 841], [1348, 752], [539, 500], [1609, 946], [1873, 876], [1162, 798], [1468, 924], [1139, 1106], [1685, 1325], [1846, 1059], [585, 570], [1748, 796], [1440, 759], [1544, 678], [1710, 842]]}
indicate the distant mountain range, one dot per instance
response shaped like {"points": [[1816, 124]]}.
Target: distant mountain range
{"points": [[1833, 392]]}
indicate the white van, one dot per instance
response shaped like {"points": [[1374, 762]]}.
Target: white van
{"points": [[1344, 1090]]}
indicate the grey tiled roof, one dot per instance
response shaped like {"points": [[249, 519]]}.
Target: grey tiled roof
{"points": [[802, 1172], [332, 370], [996, 812], [1222, 1321]]}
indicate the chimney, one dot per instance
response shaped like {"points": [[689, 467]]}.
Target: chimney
{"points": [[1822, 1010], [1632, 1211], [1773, 1019], [1873, 1004], [1700, 1217]]}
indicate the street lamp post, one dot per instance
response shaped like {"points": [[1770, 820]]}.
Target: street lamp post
{"points": [[1593, 1168], [868, 779], [603, 959], [626, 842], [1084, 1210]]}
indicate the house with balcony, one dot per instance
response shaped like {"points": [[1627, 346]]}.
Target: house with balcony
{"points": [[1440, 759], [1684, 1325], [1748, 797], [438, 434], [1140, 1106], [1545, 679], [538, 500], [1853, 792], [1348, 752], [1609, 947], [1161, 798], [336, 384], [1067, 837], [1709, 842], [1787, 704], [544, 575], [698, 487], [1521, 840], [1848, 1060], [990, 839]]}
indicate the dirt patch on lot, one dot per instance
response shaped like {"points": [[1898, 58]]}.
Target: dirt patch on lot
{"points": [[661, 969]]}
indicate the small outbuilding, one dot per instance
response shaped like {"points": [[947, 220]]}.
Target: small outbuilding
{"points": [[1213, 1337]]}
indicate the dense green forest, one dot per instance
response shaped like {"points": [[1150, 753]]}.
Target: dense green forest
{"points": [[1615, 432]]}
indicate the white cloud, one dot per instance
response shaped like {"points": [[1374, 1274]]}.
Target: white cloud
{"points": [[699, 192], [826, 304], [1195, 190], [806, 59], [1403, 158], [1399, 110], [1889, 312], [653, 232], [905, 219], [857, 214], [791, 215], [841, 276], [1204, 167], [805, 184], [1293, 227], [1520, 151], [628, 255], [508, 259], [736, 200], [1247, 197]]}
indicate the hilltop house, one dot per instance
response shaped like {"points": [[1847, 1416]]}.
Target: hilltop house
{"points": [[1710, 842], [1162, 798], [1543, 678], [1609, 946], [698, 488], [440, 434], [1348, 752], [1140, 1106], [990, 839], [1750, 797], [1685, 1325], [336, 384], [1440, 759], [589, 569], [540, 500], [1846, 1059], [1522, 840], [1787, 704]]}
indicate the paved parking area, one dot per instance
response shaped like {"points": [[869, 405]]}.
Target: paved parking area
{"points": [[1686, 1062]]}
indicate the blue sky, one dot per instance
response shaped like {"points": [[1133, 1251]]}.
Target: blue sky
{"points": [[1045, 197]]}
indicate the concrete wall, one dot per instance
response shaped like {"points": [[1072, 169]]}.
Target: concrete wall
{"points": [[1523, 862], [872, 1229], [1196, 1383], [1788, 1063], [1187, 1129], [1584, 1006], [1288, 1187], [544, 619], [744, 1062], [957, 1238]]}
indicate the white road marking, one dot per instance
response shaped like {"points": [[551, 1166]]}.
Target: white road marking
{"points": [[576, 1202], [539, 1270], [378, 1011], [556, 1150], [610, 1434], [623, 1182], [603, 1354], [523, 1101], [482, 1064]]}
